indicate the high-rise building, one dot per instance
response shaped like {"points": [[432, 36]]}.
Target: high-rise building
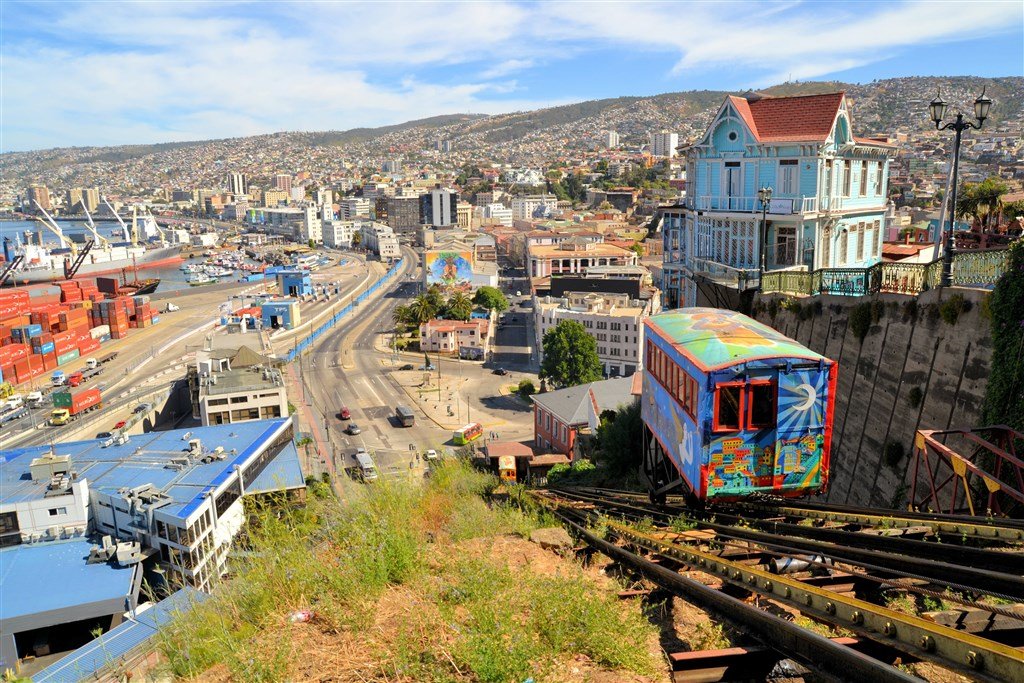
{"points": [[392, 166], [403, 214], [464, 215], [664, 144], [272, 198], [237, 184], [438, 207], [78, 197], [611, 139], [533, 206], [354, 207], [283, 181], [38, 194]]}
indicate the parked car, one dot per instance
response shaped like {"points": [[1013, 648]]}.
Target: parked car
{"points": [[352, 429], [104, 435], [431, 454], [427, 367], [407, 366], [345, 414], [143, 408], [500, 371], [120, 424]]}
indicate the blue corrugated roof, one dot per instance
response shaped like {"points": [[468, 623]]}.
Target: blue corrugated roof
{"points": [[39, 577], [283, 472], [144, 460], [127, 636]]}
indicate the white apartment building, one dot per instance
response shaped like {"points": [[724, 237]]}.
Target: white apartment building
{"points": [[338, 234], [381, 240], [499, 213], [311, 227], [615, 321], [533, 206], [354, 207], [611, 139], [664, 143], [222, 395]]}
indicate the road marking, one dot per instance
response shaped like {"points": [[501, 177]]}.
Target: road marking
{"points": [[370, 389]]}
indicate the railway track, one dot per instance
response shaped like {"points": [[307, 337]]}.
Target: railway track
{"points": [[910, 586]]}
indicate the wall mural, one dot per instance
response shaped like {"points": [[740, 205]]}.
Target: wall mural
{"points": [[449, 268]]}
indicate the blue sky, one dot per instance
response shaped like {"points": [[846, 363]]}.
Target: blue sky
{"points": [[104, 73]]}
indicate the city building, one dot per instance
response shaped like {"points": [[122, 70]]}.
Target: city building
{"points": [[392, 166], [664, 143], [464, 215], [827, 207], [283, 182], [227, 387], [354, 207], [574, 255], [311, 227], [438, 207], [381, 240], [561, 416], [273, 198], [403, 214], [455, 262], [497, 213], [38, 194], [338, 234], [614, 320], [237, 184], [78, 198], [467, 338], [533, 206], [611, 139]]}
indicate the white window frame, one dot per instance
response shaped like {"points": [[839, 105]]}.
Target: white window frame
{"points": [[788, 177]]}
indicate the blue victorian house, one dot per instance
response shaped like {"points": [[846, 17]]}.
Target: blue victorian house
{"points": [[826, 210]]}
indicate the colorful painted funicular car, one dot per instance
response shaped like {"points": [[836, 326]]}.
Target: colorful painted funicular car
{"points": [[732, 408]]}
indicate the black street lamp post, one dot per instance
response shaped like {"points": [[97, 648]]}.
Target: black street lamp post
{"points": [[764, 195], [937, 109]]}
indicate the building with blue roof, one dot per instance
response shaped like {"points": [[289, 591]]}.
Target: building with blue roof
{"points": [[123, 646], [171, 498]]}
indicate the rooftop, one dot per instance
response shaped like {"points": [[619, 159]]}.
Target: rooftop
{"points": [[593, 249], [147, 459], [790, 119], [243, 379], [712, 338], [572, 405], [43, 577]]}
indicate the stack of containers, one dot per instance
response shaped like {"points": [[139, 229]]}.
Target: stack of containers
{"points": [[114, 314], [144, 313]]}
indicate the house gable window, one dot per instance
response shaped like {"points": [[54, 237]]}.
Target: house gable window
{"points": [[847, 177], [863, 178]]}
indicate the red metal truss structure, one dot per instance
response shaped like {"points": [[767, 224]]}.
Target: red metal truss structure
{"points": [[977, 471]]}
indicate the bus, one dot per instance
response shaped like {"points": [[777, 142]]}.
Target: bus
{"points": [[405, 416], [463, 436]]}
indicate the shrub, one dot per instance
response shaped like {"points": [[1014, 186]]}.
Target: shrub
{"points": [[914, 397], [893, 453], [860, 320], [791, 305], [773, 308], [951, 308], [818, 306], [910, 311], [526, 388], [877, 310]]}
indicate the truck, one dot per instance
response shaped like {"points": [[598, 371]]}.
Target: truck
{"points": [[90, 363], [57, 378], [405, 416], [74, 379], [69, 404], [107, 358]]}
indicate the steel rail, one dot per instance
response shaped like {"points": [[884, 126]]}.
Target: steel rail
{"points": [[1002, 584], [816, 652], [977, 657]]}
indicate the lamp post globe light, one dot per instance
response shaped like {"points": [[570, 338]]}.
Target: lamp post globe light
{"points": [[937, 110], [764, 196]]}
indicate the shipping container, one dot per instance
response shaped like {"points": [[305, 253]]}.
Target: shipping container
{"points": [[77, 400]]}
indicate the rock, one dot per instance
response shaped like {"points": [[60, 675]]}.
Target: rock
{"points": [[552, 538]]}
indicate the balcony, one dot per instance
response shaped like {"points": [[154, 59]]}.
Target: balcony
{"points": [[726, 275], [779, 206]]}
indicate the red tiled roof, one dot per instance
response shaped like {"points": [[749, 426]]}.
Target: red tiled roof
{"points": [[498, 448], [790, 119], [549, 459]]}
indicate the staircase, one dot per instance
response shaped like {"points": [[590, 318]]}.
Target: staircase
{"points": [[71, 268], [8, 270]]}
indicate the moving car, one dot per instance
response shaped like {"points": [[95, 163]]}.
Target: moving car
{"points": [[365, 469], [120, 424], [353, 429], [431, 454], [104, 435], [407, 366], [344, 414], [143, 408], [427, 367], [500, 371]]}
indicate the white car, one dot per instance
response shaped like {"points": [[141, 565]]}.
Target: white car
{"points": [[431, 454]]}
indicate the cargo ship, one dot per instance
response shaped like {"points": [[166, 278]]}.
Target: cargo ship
{"points": [[38, 263]]}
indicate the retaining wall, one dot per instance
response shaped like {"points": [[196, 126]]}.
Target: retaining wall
{"points": [[903, 349]]}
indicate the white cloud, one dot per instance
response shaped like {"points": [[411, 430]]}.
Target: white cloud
{"points": [[106, 73]]}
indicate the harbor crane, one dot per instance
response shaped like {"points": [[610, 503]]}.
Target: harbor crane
{"points": [[100, 239], [124, 227]]}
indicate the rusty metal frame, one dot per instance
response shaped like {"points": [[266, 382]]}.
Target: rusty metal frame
{"points": [[989, 480]]}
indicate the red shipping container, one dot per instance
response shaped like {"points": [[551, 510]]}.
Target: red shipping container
{"points": [[49, 361]]}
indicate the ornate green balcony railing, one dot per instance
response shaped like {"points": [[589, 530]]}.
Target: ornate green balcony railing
{"points": [[970, 269]]}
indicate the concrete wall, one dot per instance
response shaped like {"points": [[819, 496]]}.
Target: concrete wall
{"points": [[949, 364]]}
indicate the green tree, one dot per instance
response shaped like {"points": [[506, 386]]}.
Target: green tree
{"points": [[1012, 210], [638, 249], [981, 201], [434, 297], [491, 298], [1004, 393], [619, 438], [570, 355], [403, 316], [312, 243], [421, 309], [357, 238], [459, 307]]}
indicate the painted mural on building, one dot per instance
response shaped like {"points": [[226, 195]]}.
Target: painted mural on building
{"points": [[449, 268]]}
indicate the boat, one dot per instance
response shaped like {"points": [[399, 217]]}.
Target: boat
{"points": [[137, 286], [200, 279], [216, 271], [39, 263]]}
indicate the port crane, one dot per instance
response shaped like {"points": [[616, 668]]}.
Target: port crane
{"points": [[124, 228], [72, 264], [97, 237]]}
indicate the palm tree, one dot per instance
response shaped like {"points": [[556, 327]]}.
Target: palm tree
{"points": [[459, 306], [421, 309]]}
